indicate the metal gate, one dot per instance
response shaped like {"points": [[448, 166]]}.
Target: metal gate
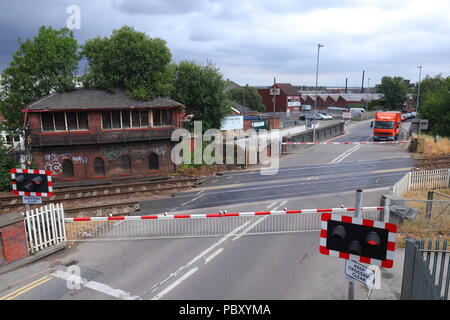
{"points": [[45, 227], [426, 273], [204, 225]]}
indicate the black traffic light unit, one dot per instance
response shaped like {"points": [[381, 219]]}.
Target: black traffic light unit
{"points": [[373, 242], [28, 182]]}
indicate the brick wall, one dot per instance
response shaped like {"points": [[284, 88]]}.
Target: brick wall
{"points": [[13, 238], [83, 158]]}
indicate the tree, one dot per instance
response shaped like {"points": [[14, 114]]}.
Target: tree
{"points": [[5, 165], [200, 88], [129, 60], [39, 67], [394, 90], [248, 97], [436, 107]]}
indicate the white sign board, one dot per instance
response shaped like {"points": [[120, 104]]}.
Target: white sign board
{"points": [[346, 115], [274, 91], [232, 123], [31, 200], [360, 273], [294, 104]]}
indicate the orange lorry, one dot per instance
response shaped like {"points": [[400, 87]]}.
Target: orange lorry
{"points": [[386, 126]]}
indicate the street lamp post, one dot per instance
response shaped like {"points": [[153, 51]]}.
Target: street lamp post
{"points": [[418, 94], [315, 102]]}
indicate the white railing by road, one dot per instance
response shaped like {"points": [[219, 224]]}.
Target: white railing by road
{"points": [[45, 227], [420, 180]]}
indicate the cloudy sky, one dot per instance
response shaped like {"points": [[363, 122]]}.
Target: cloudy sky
{"points": [[253, 41]]}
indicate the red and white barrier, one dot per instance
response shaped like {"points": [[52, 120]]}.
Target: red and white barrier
{"points": [[392, 228], [347, 142], [221, 215]]}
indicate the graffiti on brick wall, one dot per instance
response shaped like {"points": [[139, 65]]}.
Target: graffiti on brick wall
{"points": [[53, 162], [113, 153], [160, 150]]}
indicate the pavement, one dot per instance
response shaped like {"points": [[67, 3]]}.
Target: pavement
{"points": [[241, 265]]}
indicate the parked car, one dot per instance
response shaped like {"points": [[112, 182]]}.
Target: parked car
{"points": [[326, 116]]}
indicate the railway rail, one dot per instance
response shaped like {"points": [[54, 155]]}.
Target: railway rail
{"points": [[107, 192]]}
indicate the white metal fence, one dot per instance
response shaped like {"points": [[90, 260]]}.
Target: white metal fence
{"points": [[420, 180], [45, 227]]}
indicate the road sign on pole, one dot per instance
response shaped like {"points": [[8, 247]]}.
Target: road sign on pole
{"points": [[360, 273]]}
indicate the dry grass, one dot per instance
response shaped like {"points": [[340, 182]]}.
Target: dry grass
{"points": [[439, 147], [438, 226]]}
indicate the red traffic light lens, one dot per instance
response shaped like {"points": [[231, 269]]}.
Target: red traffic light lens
{"points": [[373, 238]]}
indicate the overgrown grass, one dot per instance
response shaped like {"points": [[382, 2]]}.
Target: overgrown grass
{"points": [[438, 226], [439, 146]]}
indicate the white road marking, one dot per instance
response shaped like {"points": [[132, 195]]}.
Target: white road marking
{"points": [[173, 285], [213, 255], [348, 152], [199, 256], [215, 181], [183, 204], [256, 223], [94, 285], [271, 205]]}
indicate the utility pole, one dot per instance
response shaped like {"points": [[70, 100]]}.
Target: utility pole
{"points": [[418, 95], [315, 102], [274, 103]]}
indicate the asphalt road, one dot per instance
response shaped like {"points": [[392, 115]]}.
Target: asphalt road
{"points": [[237, 266]]}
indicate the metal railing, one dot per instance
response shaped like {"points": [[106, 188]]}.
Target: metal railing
{"points": [[419, 180], [212, 225], [426, 274]]}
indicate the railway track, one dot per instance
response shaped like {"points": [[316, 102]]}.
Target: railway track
{"points": [[77, 196], [438, 162]]}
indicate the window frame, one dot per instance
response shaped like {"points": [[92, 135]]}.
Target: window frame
{"points": [[66, 122]]}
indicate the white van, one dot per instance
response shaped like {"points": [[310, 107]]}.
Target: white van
{"points": [[356, 110]]}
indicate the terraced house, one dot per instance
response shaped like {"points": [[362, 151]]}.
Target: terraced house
{"points": [[88, 133]]}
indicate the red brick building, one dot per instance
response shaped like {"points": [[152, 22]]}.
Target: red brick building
{"points": [[289, 98], [87, 133]]}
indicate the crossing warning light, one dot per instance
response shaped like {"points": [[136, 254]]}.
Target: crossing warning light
{"points": [[28, 182], [364, 240]]}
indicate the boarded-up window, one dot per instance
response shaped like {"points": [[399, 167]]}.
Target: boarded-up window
{"points": [[47, 122], [126, 119], [156, 117], [136, 118], [99, 167], [82, 120], [144, 118], [125, 164], [72, 122], [67, 167], [116, 119], [60, 121], [106, 120], [153, 161]]}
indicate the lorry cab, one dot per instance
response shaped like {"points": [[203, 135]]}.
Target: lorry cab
{"points": [[386, 126]]}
